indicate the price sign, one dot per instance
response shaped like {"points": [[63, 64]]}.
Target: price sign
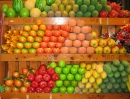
{"points": [[95, 96], [109, 57], [94, 20], [27, 20]]}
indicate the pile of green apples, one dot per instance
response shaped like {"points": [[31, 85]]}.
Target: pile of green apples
{"points": [[70, 75]]}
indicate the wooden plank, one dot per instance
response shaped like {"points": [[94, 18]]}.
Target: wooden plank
{"points": [[64, 20], [2, 71], [22, 65], [33, 64], [11, 67], [65, 57]]}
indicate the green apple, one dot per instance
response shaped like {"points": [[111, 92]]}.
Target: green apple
{"points": [[68, 65], [99, 50], [55, 90], [106, 50], [62, 89], [73, 70], [66, 83], [58, 70], [70, 76], [62, 77], [76, 66], [59, 83], [78, 77], [61, 63], [81, 71], [66, 70], [74, 83], [70, 89], [53, 64]]}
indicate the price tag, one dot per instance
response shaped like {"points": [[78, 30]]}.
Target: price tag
{"points": [[26, 20], [94, 20], [109, 57]]}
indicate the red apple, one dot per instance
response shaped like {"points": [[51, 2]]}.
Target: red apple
{"points": [[46, 39], [47, 90], [55, 76], [34, 84], [50, 70], [43, 84], [51, 83], [38, 78], [46, 77], [43, 44]]}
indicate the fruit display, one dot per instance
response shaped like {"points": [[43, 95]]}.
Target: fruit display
{"points": [[73, 38], [63, 77], [64, 8]]}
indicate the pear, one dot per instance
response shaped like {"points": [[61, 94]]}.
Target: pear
{"points": [[88, 85], [44, 14], [68, 8], [94, 64], [99, 68], [91, 79], [95, 74], [64, 2], [54, 7], [65, 14], [88, 66], [61, 7], [95, 86], [82, 64], [99, 80], [77, 90], [98, 90], [87, 74], [103, 75], [81, 85], [75, 8], [84, 90], [58, 2]]}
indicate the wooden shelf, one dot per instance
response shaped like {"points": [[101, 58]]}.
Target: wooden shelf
{"points": [[65, 57], [64, 20], [62, 96]]}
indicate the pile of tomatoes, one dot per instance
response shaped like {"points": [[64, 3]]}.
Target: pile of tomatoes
{"points": [[30, 80]]}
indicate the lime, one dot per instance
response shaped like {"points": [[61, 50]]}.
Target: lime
{"points": [[24, 12], [5, 8], [11, 13]]}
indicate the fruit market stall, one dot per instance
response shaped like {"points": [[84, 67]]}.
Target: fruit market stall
{"points": [[57, 55]]}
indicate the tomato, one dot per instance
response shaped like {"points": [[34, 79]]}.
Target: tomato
{"points": [[15, 89], [27, 83], [23, 89], [18, 83], [16, 74], [9, 82], [38, 22], [24, 12], [25, 71], [7, 89], [5, 8], [56, 27], [11, 13]]}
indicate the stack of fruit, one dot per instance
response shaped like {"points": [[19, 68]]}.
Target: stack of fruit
{"points": [[70, 75], [78, 39], [123, 37], [92, 79], [106, 46], [64, 8], [117, 72]]}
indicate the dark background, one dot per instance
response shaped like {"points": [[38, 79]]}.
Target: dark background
{"points": [[124, 3]]}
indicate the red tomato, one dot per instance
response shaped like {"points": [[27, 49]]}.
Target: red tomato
{"points": [[67, 28], [51, 44], [43, 44], [40, 50], [18, 83], [58, 45], [48, 50], [38, 22], [23, 89], [49, 27], [15, 89], [9, 82], [57, 33], [34, 27], [48, 33], [61, 39], [56, 50], [65, 34], [25, 71], [56, 27], [46, 39], [53, 39], [16, 74]]}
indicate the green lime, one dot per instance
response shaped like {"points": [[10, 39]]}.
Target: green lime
{"points": [[5, 8]]}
